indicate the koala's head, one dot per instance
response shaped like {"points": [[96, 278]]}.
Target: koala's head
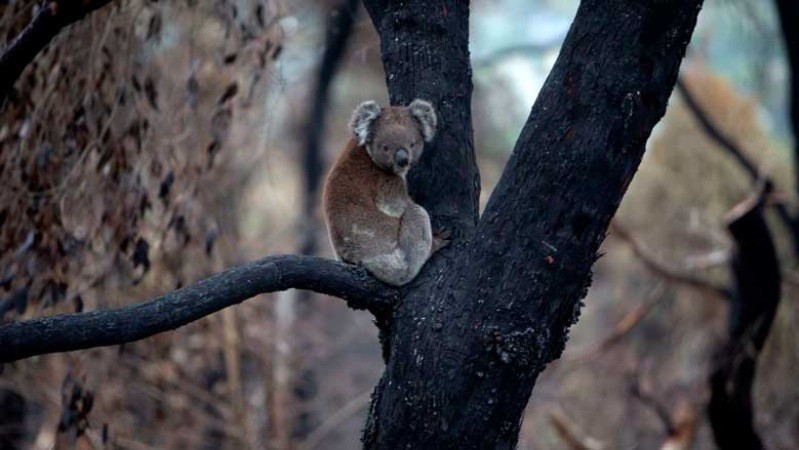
{"points": [[394, 137]]}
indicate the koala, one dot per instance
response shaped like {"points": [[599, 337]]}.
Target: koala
{"points": [[371, 219]]}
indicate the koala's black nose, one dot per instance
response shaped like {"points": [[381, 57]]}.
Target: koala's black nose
{"points": [[402, 158]]}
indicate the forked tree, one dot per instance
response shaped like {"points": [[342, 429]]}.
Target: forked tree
{"points": [[465, 341]]}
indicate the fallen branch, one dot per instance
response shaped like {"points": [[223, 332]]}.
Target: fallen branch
{"points": [[67, 332]]}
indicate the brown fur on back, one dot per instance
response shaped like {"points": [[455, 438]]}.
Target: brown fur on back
{"points": [[354, 218]]}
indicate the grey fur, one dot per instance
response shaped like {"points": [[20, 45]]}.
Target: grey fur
{"points": [[362, 119], [425, 114]]}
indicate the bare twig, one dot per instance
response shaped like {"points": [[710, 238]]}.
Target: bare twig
{"points": [[662, 270], [67, 332], [622, 327], [653, 404], [337, 418], [739, 155], [569, 434]]}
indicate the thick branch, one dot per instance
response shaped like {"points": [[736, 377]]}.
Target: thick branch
{"points": [[466, 349], [67, 332], [576, 156]]}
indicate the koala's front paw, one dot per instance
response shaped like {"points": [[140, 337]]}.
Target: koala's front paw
{"points": [[441, 238]]}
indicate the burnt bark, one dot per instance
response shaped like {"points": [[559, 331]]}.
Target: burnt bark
{"points": [[67, 332], [469, 339], [48, 21], [752, 309]]}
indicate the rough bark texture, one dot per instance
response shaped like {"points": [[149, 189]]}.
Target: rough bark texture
{"points": [[752, 310], [67, 332], [467, 344], [47, 22]]}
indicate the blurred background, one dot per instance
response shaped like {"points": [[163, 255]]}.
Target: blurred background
{"points": [[155, 143]]}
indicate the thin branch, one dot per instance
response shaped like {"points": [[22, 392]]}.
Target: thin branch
{"points": [[50, 18], [67, 332], [738, 154], [653, 404], [336, 419], [663, 271], [568, 432], [621, 329], [714, 133]]}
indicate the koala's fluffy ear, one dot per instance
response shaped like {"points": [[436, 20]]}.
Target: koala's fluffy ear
{"points": [[363, 118], [423, 112]]}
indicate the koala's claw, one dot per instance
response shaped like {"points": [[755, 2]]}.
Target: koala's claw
{"points": [[441, 239]]}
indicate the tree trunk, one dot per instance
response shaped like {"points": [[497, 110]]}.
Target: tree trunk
{"points": [[473, 332]]}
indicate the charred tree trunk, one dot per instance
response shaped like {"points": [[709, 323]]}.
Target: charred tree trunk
{"points": [[752, 310], [476, 328]]}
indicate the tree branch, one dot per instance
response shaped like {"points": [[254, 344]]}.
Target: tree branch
{"points": [[67, 332], [667, 273], [500, 311], [50, 18], [739, 155], [715, 134]]}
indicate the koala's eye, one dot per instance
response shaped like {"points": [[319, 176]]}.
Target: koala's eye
{"points": [[413, 144], [385, 148]]}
